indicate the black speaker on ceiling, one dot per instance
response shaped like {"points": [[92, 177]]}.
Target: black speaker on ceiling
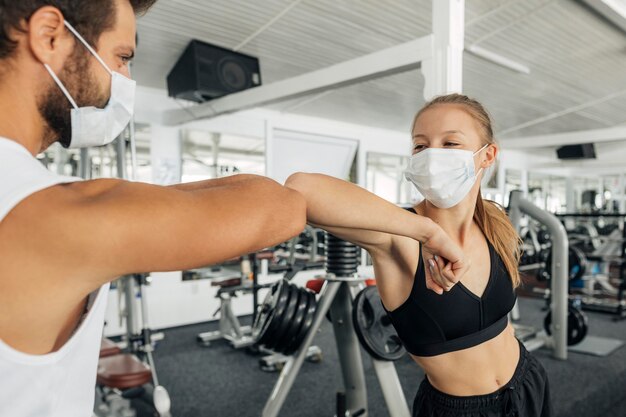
{"points": [[205, 72], [581, 151]]}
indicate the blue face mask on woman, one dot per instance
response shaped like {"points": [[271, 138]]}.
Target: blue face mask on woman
{"points": [[443, 176], [92, 126]]}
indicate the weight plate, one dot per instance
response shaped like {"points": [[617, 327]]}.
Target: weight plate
{"points": [[342, 261], [543, 236], [342, 248], [306, 325], [295, 323], [576, 260], [273, 305], [576, 325], [373, 326], [283, 321]]}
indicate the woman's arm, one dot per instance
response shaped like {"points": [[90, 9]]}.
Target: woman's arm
{"points": [[355, 214], [361, 217]]}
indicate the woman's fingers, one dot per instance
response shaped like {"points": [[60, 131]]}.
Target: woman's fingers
{"points": [[433, 282]]}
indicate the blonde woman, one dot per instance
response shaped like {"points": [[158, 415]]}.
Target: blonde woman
{"points": [[447, 270]]}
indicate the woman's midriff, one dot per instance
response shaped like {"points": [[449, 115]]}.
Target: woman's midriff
{"points": [[479, 370]]}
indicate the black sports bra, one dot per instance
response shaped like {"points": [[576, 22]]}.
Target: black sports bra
{"points": [[430, 324]]}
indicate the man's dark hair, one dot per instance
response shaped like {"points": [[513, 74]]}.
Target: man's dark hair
{"points": [[90, 17]]}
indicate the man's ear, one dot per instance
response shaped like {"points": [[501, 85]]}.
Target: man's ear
{"points": [[49, 41]]}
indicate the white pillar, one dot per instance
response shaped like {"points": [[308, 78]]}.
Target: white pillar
{"points": [[443, 73], [216, 139], [524, 182], [570, 195], [621, 192], [601, 190], [166, 154]]}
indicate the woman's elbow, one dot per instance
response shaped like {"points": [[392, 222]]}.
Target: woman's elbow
{"points": [[298, 181]]}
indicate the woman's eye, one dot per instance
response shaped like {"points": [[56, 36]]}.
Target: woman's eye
{"points": [[125, 59], [451, 144], [418, 147]]}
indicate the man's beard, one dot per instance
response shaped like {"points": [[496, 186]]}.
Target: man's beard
{"points": [[55, 108]]}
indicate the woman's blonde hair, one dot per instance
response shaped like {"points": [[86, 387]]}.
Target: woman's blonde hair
{"points": [[489, 215]]}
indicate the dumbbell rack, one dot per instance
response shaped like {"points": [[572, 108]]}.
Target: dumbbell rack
{"points": [[336, 297]]}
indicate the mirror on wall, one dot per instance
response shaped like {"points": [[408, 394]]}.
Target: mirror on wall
{"points": [[208, 155], [548, 192], [101, 161], [385, 178]]}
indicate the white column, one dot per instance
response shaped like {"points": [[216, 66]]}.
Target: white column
{"points": [[443, 73], [621, 193], [216, 139], [601, 190], [524, 182], [166, 154], [570, 195]]}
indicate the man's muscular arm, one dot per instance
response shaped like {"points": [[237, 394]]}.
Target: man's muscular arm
{"points": [[94, 231]]}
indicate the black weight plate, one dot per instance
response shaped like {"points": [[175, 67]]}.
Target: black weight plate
{"points": [[343, 268], [340, 250], [576, 260], [576, 325], [306, 298], [373, 327], [283, 321], [342, 261], [274, 304], [543, 237], [306, 324], [296, 322]]}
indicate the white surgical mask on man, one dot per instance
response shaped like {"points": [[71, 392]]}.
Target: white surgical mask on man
{"points": [[92, 126], [443, 176]]}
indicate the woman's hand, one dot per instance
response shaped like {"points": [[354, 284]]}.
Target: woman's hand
{"points": [[444, 260]]}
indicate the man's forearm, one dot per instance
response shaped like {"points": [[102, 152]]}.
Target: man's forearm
{"points": [[218, 182]]}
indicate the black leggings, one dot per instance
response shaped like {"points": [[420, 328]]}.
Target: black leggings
{"points": [[525, 395]]}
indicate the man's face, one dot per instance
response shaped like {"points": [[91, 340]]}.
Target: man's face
{"points": [[87, 81]]}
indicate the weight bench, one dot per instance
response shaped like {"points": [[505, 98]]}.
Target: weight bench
{"points": [[120, 376], [122, 371], [229, 326], [108, 348]]}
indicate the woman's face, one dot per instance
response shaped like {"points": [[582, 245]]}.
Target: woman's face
{"points": [[446, 126]]}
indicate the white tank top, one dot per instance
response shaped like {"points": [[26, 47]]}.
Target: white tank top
{"points": [[59, 384]]}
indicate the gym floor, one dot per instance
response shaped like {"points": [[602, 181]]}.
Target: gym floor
{"points": [[219, 381]]}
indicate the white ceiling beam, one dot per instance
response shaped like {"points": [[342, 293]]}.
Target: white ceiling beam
{"points": [[612, 10], [394, 60], [443, 73], [608, 134]]}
